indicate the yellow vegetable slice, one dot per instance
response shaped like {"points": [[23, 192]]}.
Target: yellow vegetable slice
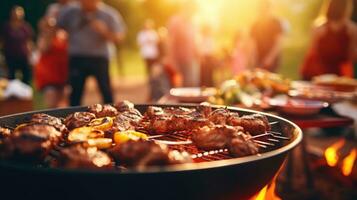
{"points": [[100, 143], [103, 123], [84, 133], [124, 136]]}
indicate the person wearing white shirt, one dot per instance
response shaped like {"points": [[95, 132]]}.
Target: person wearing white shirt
{"points": [[148, 41]]}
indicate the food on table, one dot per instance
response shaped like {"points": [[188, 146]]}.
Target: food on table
{"points": [[338, 83], [250, 87], [119, 136]]}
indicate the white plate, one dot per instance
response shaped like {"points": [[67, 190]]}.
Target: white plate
{"points": [[298, 106], [192, 94]]}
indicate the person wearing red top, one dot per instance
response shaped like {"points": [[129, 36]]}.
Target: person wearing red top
{"points": [[333, 42], [51, 70]]}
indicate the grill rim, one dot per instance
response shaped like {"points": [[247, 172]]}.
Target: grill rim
{"points": [[296, 139]]}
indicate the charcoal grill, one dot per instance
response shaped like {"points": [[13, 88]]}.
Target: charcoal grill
{"points": [[221, 177]]}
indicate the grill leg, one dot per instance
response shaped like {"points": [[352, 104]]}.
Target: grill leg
{"points": [[307, 170]]}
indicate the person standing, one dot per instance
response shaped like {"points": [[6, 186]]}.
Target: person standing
{"points": [[51, 70], [333, 44], [91, 26], [207, 51], [182, 48], [148, 42], [267, 32], [17, 39]]}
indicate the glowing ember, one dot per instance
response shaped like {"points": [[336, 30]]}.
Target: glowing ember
{"points": [[348, 161], [331, 153]]}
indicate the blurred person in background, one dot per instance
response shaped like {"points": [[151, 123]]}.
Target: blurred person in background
{"points": [[182, 49], [333, 43], [51, 70], [17, 37], [148, 41], [267, 32], [91, 26], [207, 57], [243, 55]]}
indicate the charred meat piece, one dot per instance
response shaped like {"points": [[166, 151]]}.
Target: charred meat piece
{"points": [[121, 123], [169, 124], [143, 153], [124, 106], [78, 119], [214, 137], [103, 110], [224, 136], [153, 111], [219, 116], [4, 133], [80, 156], [41, 118], [178, 111], [240, 146], [31, 142], [254, 124], [205, 109], [127, 120]]}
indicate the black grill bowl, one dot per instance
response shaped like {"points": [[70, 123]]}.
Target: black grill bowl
{"points": [[232, 179]]}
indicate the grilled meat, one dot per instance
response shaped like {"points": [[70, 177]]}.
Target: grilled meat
{"points": [[144, 153], [224, 136], [80, 156], [124, 106], [78, 119], [30, 142], [254, 124], [41, 118], [102, 110]]}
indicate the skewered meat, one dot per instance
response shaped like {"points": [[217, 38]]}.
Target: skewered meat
{"points": [[79, 156], [214, 137], [146, 153], [241, 145], [31, 142], [41, 118], [219, 116], [102, 110], [205, 109], [169, 124], [224, 136], [78, 119], [254, 124]]}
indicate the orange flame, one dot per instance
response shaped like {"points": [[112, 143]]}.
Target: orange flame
{"points": [[348, 162], [268, 192], [331, 153], [261, 195]]}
